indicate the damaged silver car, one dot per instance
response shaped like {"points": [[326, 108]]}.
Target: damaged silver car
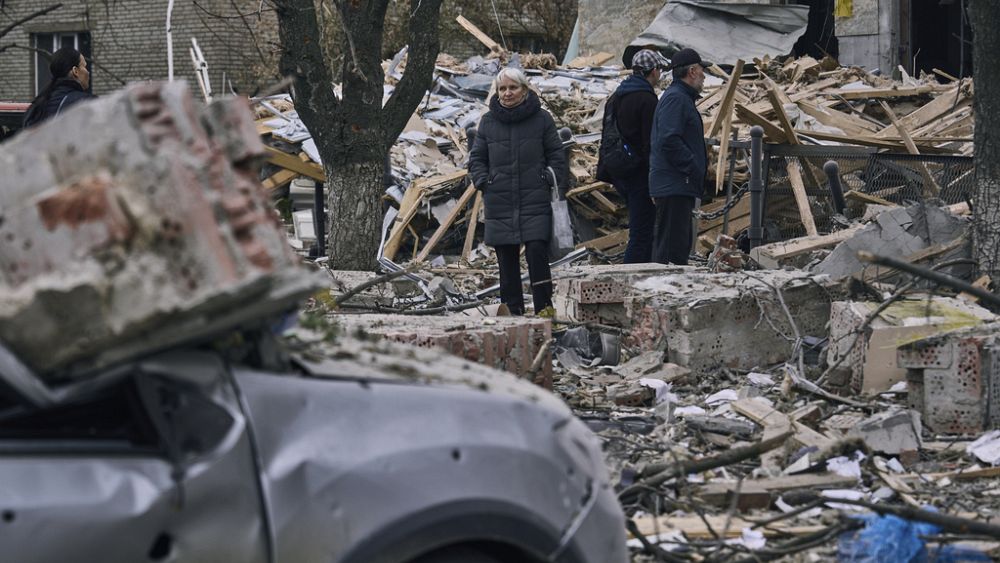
{"points": [[355, 453]]}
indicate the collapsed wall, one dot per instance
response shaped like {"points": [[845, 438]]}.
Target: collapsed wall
{"points": [[135, 222]]}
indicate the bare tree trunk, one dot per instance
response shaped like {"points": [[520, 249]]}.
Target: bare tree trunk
{"points": [[354, 133], [984, 15], [355, 192]]}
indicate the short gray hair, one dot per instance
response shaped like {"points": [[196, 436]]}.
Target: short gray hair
{"points": [[682, 71], [514, 75]]}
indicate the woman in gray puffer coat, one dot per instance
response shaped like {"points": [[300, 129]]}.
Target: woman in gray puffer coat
{"points": [[515, 143]]}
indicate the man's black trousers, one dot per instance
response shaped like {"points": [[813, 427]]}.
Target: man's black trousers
{"points": [[673, 231]]}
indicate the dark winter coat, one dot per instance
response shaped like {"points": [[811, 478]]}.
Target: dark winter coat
{"points": [[66, 92], [633, 104], [507, 163], [677, 159]]}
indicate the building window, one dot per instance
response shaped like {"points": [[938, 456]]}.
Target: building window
{"points": [[47, 43]]}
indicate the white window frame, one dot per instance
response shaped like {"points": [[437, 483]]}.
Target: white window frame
{"points": [[58, 43]]}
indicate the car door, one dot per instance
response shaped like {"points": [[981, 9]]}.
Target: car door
{"points": [[150, 463]]}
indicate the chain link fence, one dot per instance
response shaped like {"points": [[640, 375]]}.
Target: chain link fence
{"points": [[900, 179]]}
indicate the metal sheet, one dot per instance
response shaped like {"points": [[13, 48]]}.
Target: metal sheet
{"points": [[723, 33]]}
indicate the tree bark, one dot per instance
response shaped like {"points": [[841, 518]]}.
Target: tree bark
{"points": [[984, 15], [353, 134]]}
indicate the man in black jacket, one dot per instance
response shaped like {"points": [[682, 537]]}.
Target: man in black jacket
{"points": [[633, 104], [678, 162], [70, 84]]}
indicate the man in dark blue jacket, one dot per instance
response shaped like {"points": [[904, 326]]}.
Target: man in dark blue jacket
{"points": [[633, 105], [677, 159]]}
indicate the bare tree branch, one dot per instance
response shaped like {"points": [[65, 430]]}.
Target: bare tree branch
{"points": [[423, 41], [28, 18]]}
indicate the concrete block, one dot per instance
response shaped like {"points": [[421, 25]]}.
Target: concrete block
{"points": [[872, 359], [897, 232], [891, 432], [507, 343], [135, 222], [707, 320], [953, 379], [597, 293]]}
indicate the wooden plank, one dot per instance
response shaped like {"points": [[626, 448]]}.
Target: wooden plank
{"points": [[873, 93], [696, 529], [448, 221], [771, 131], [279, 179], [853, 140], [767, 417], [586, 189], [871, 274], [923, 115], [771, 255], [867, 198], [764, 108], [724, 490], [722, 162], [801, 199], [470, 232], [295, 164], [726, 108], [607, 241], [407, 210], [605, 202], [832, 118], [944, 74], [929, 182], [437, 181], [480, 35]]}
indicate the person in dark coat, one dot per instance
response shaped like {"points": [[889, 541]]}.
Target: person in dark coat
{"points": [[69, 85], [515, 144], [633, 104], [677, 161]]}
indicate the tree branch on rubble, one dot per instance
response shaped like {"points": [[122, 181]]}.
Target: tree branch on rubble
{"points": [[873, 315], [372, 283], [947, 522], [13, 25], [667, 471], [423, 45], [930, 274]]}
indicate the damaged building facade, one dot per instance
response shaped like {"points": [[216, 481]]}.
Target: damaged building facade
{"points": [[874, 34]]}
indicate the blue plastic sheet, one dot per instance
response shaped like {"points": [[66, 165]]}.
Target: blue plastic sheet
{"points": [[890, 539]]}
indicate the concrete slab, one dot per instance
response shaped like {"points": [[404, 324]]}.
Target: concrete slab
{"points": [[953, 379], [872, 359], [134, 222], [705, 320], [507, 343]]}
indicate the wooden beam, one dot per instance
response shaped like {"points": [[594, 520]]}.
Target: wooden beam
{"points": [[586, 189], [470, 232], [926, 113], [605, 202], [771, 255], [478, 34], [771, 131], [871, 93], [407, 210], [448, 221], [722, 162], [607, 241], [295, 164], [911, 147], [832, 118], [801, 199], [279, 179], [726, 108]]}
